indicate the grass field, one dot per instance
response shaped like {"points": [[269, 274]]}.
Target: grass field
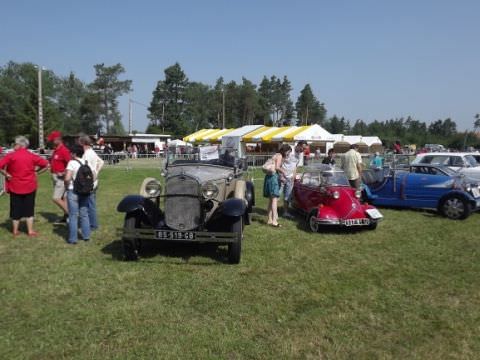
{"points": [[410, 289]]}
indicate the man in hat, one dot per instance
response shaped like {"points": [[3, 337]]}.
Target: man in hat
{"points": [[352, 165], [58, 163]]}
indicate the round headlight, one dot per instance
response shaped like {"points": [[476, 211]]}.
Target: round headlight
{"points": [[209, 190], [358, 194], [153, 188], [336, 195], [468, 188]]}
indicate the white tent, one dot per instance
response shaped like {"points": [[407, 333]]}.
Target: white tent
{"points": [[178, 142], [314, 133], [372, 140]]}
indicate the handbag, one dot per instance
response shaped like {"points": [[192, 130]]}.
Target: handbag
{"points": [[269, 166]]}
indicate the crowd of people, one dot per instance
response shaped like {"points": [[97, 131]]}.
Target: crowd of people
{"points": [[74, 175]]}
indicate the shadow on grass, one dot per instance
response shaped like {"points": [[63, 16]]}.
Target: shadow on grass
{"points": [[59, 229], [182, 251]]}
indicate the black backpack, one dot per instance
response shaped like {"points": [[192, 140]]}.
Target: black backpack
{"points": [[83, 183]]}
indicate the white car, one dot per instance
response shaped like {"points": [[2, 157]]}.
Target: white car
{"points": [[464, 163]]}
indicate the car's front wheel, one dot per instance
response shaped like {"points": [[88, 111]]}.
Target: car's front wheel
{"points": [[455, 207], [130, 246], [373, 225], [235, 248], [311, 221]]}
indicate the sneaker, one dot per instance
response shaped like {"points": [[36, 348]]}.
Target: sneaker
{"points": [[61, 221]]}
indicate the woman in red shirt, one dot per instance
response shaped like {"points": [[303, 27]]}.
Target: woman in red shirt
{"points": [[20, 169]]}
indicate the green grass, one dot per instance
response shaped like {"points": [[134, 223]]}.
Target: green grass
{"points": [[410, 289]]}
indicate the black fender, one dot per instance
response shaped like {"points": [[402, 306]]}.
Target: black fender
{"points": [[131, 203], [233, 207], [250, 195], [137, 203]]}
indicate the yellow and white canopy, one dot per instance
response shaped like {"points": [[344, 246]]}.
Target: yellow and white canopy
{"points": [[264, 134]]}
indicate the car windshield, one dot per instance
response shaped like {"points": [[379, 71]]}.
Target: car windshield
{"points": [[212, 155], [470, 159], [324, 175]]}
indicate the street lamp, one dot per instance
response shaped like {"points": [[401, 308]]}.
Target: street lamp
{"points": [[41, 143]]}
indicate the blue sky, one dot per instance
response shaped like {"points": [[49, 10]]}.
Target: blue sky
{"points": [[363, 59]]}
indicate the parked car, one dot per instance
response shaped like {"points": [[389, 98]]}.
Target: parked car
{"points": [[423, 186], [464, 163], [476, 156], [325, 197], [203, 202]]}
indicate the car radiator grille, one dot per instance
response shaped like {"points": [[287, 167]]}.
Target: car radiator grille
{"points": [[182, 204]]}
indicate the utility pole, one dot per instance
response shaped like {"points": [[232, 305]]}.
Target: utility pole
{"points": [[223, 107], [41, 143], [130, 115], [130, 112], [163, 117]]}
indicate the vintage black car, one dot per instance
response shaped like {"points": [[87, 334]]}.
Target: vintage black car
{"points": [[203, 202]]}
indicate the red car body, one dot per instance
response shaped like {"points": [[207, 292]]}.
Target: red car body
{"points": [[325, 197]]}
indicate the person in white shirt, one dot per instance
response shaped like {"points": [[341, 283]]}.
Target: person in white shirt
{"points": [[77, 203], [96, 164], [352, 166], [289, 166]]}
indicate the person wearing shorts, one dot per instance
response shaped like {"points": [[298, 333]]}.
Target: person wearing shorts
{"points": [[58, 163]]}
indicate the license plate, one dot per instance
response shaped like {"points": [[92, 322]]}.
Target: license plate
{"points": [[374, 214], [475, 192], [354, 222], [174, 235]]}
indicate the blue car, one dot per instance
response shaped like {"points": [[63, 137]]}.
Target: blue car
{"points": [[423, 186]]}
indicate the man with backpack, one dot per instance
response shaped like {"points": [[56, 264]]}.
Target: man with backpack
{"points": [[96, 164], [79, 185]]}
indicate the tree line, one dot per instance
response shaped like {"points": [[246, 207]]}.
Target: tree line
{"points": [[180, 106]]}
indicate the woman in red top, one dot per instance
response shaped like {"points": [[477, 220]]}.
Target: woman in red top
{"points": [[20, 169]]}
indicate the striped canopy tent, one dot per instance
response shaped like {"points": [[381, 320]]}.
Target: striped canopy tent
{"points": [[288, 133], [259, 134], [214, 137], [196, 136], [244, 131]]}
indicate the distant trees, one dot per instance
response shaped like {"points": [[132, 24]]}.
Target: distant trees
{"points": [[108, 88], [69, 104], [180, 106], [309, 109]]}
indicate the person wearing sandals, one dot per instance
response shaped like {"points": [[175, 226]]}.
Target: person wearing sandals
{"points": [[20, 169], [271, 185]]}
